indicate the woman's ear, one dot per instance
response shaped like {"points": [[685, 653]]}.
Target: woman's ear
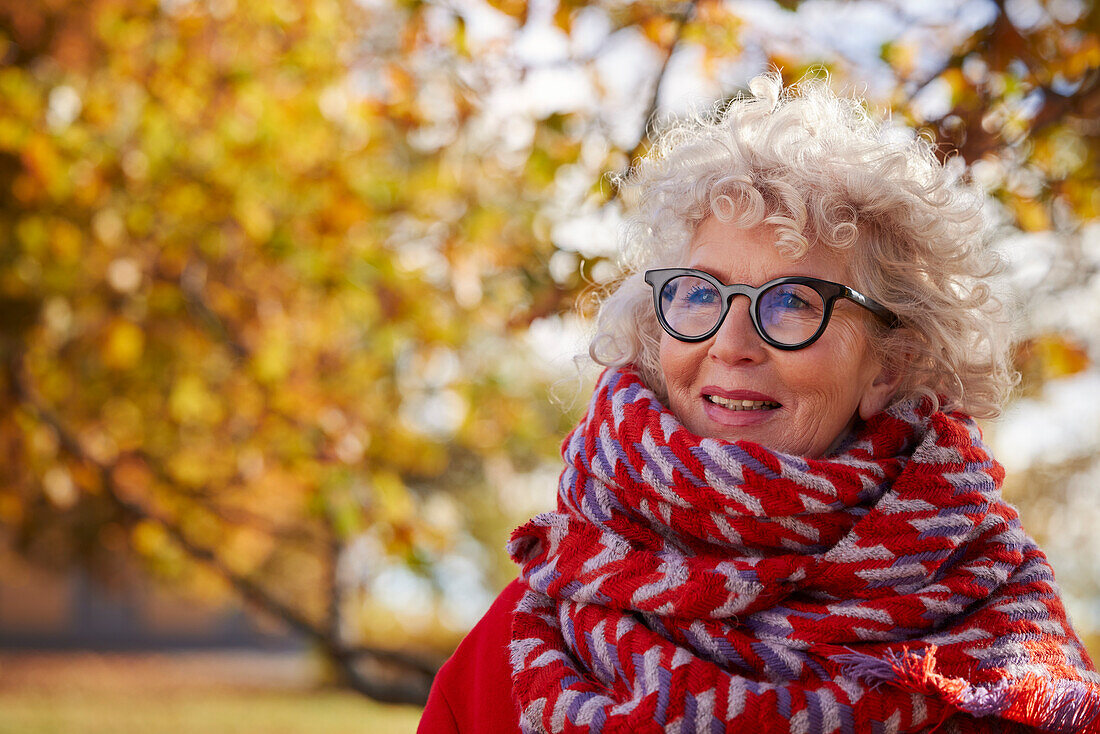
{"points": [[881, 391]]}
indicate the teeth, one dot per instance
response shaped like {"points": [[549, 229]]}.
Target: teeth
{"points": [[742, 404]]}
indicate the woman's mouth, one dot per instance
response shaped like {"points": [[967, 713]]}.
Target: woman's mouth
{"points": [[738, 408], [732, 404]]}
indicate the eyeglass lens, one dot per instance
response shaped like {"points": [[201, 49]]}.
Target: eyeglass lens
{"points": [[788, 313]]}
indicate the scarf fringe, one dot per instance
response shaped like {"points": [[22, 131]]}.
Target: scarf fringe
{"points": [[1063, 706]]}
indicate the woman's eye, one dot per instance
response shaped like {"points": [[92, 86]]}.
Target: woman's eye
{"points": [[701, 296], [792, 301]]}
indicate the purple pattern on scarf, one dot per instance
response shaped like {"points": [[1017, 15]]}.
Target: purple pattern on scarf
{"points": [[617, 451]]}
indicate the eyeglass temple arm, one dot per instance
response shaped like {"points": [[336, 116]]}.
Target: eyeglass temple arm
{"points": [[891, 318]]}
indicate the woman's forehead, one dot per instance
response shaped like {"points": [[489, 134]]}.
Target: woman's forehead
{"points": [[729, 252]]}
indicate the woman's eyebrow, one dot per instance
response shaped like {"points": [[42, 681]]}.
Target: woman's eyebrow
{"points": [[708, 271], [722, 279]]}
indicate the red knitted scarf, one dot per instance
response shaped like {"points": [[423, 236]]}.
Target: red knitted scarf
{"points": [[697, 585]]}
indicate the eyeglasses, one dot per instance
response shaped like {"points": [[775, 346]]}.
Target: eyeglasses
{"points": [[788, 313]]}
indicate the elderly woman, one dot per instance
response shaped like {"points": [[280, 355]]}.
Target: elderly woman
{"points": [[777, 514]]}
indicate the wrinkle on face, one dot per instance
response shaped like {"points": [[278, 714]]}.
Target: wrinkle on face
{"points": [[820, 388]]}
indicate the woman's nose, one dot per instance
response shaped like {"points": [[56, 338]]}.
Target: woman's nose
{"points": [[736, 339]]}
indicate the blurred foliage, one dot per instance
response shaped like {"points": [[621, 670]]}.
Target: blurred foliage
{"points": [[242, 308], [1048, 356], [267, 266]]}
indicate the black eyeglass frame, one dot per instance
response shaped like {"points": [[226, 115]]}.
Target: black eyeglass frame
{"points": [[828, 290]]}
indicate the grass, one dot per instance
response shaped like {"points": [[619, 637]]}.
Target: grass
{"points": [[238, 712], [231, 712], [57, 695]]}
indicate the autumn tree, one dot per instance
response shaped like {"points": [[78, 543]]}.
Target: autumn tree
{"points": [[250, 309]]}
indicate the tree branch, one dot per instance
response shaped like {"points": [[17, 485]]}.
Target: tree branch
{"points": [[418, 673], [204, 497], [1084, 102], [654, 98], [956, 60]]}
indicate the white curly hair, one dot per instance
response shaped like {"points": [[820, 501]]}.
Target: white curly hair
{"points": [[823, 172]]}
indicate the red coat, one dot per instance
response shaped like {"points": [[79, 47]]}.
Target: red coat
{"points": [[472, 693]]}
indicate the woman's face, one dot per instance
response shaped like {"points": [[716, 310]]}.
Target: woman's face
{"points": [[801, 402]]}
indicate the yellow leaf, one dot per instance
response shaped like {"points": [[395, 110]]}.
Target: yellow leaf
{"points": [[66, 241], [1031, 215], [514, 8], [11, 509], [124, 345], [272, 359], [1050, 356], [192, 402], [1085, 59], [957, 81], [255, 219], [33, 234], [41, 159], [189, 468], [246, 548], [903, 56], [659, 29], [1062, 357], [148, 538], [391, 497], [563, 17]]}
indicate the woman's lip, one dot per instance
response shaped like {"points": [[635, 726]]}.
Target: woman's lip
{"points": [[726, 417], [737, 394]]}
